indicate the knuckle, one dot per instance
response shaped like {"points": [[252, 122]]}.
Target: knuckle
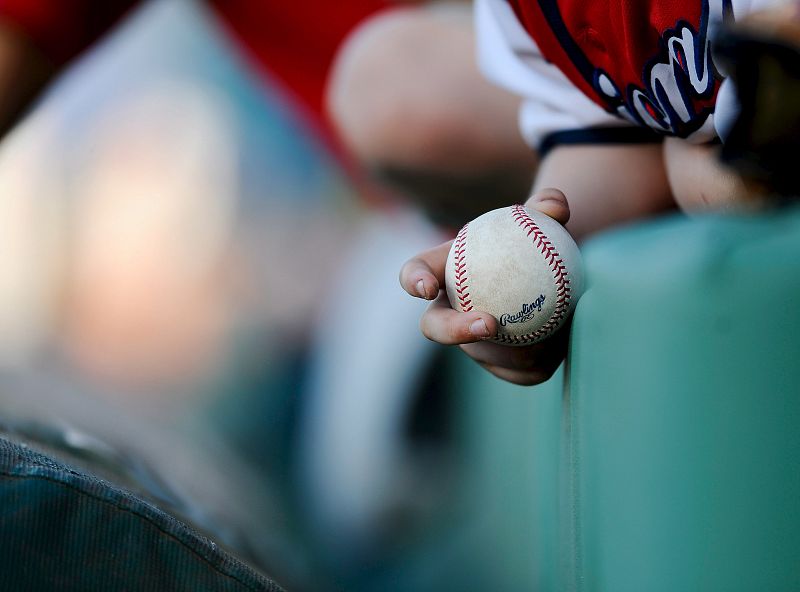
{"points": [[458, 334], [425, 328]]}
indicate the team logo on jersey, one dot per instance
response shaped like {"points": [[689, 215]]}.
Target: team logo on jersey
{"points": [[677, 84], [650, 64]]}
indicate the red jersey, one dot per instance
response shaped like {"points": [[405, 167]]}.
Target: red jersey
{"points": [[647, 60], [611, 70]]}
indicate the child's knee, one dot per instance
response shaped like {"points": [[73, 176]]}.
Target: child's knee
{"points": [[405, 91], [380, 94]]}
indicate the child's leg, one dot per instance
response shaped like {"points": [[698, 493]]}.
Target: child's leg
{"points": [[409, 102]]}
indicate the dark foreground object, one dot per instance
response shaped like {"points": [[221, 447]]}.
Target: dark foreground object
{"points": [[61, 529]]}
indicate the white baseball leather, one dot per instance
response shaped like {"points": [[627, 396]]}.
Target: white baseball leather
{"points": [[520, 266]]}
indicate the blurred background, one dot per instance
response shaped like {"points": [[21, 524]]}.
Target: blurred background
{"points": [[193, 275]]}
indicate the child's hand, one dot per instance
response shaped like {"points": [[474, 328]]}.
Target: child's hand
{"points": [[423, 277]]}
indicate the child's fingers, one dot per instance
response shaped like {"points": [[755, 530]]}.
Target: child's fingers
{"points": [[551, 202], [444, 325], [423, 276]]}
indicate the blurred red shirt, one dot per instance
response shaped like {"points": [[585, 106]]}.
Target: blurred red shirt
{"points": [[293, 41]]}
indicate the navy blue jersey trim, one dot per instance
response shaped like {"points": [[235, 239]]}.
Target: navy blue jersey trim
{"points": [[599, 135], [552, 13]]}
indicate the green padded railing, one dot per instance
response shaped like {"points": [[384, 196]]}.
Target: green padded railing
{"points": [[670, 460]]}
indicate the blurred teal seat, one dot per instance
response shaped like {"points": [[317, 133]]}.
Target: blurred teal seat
{"points": [[666, 454]]}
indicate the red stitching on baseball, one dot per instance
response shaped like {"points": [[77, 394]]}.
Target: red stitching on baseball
{"points": [[459, 260], [556, 264]]}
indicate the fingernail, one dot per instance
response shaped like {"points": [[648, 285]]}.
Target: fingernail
{"points": [[421, 289], [479, 329]]}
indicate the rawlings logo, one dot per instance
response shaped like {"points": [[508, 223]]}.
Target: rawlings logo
{"points": [[527, 312]]}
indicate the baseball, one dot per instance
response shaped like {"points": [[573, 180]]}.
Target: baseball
{"points": [[520, 266]]}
